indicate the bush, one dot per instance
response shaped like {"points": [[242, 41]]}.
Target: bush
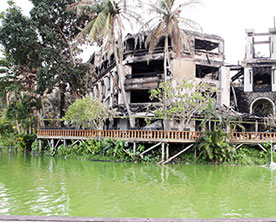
{"points": [[213, 147]]}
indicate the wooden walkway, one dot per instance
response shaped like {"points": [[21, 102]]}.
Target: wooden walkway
{"points": [[152, 136], [102, 219]]}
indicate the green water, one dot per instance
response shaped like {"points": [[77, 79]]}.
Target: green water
{"points": [[54, 186]]}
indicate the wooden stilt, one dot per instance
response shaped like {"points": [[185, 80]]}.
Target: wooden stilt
{"points": [[40, 145], [134, 148], [170, 159], [167, 151], [52, 145], [64, 142], [163, 152]]}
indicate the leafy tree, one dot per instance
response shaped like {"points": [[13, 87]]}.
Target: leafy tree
{"points": [[57, 29], [88, 112], [105, 26], [20, 44], [183, 100], [8, 84]]}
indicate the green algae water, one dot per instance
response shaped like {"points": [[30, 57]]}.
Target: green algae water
{"points": [[54, 186]]}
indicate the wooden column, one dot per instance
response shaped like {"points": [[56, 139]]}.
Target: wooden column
{"points": [[134, 147], [163, 152], [52, 145], [167, 152], [39, 145], [256, 126]]}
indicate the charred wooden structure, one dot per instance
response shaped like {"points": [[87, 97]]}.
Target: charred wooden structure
{"points": [[203, 60], [254, 83]]}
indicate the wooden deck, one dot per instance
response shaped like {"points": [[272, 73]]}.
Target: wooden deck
{"points": [[152, 135], [102, 219]]}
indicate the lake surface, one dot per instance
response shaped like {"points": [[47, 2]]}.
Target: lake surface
{"points": [[54, 186]]}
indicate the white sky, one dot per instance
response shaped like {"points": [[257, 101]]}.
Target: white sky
{"points": [[226, 18]]}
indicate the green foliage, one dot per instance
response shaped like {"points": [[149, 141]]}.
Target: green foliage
{"points": [[57, 29], [108, 149], [19, 37], [213, 147], [25, 141], [21, 113], [182, 100], [88, 112], [246, 155]]}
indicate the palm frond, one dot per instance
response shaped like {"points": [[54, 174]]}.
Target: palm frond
{"points": [[190, 2]]}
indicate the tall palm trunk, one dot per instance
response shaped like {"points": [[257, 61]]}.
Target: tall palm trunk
{"points": [[166, 59], [121, 74]]}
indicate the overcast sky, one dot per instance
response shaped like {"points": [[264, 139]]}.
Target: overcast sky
{"points": [[226, 18]]}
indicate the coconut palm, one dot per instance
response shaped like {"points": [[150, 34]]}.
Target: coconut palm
{"points": [[105, 27], [167, 25]]}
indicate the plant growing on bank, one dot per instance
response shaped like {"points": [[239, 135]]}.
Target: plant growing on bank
{"points": [[88, 112], [214, 145]]}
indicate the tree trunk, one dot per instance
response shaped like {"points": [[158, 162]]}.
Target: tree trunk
{"points": [[62, 88], [121, 74]]}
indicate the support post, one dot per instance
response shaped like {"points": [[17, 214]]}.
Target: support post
{"points": [[167, 152], [64, 142], [134, 148], [40, 145], [271, 161], [167, 161], [256, 126], [163, 152], [52, 146]]}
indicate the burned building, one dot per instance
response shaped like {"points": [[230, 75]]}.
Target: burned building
{"points": [[254, 84], [204, 61]]}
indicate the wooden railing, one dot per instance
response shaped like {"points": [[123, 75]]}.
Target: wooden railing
{"points": [[150, 135], [131, 135]]}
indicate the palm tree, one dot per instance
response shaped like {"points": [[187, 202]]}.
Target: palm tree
{"points": [[105, 27], [22, 113], [167, 25]]}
